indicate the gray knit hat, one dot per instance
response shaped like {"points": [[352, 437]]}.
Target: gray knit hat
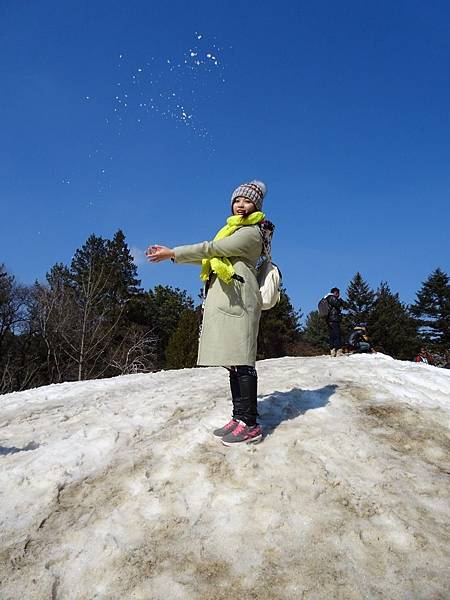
{"points": [[253, 191]]}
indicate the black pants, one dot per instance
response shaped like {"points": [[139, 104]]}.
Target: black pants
{"points": [[244, 391], [334, 330]]}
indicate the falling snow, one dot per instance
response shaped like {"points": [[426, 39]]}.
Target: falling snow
{"points": [[170, 88], [190, 75]]}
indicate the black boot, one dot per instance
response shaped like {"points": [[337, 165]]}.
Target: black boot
{"points": [[236, 396], [245, 406], [235, 390]]}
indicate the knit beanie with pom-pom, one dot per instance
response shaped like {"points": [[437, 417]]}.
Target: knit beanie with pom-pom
{"points": [[253, 191]]}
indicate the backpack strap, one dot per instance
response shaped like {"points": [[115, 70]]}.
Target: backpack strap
{"points": [[266, 229]]}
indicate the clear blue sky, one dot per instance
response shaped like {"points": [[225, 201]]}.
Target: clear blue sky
{"points": [[145, 115]]}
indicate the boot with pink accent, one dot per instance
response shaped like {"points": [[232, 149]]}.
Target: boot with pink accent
{"points": [[243, 434]]}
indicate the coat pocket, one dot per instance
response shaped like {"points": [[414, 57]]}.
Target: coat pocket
{"points": [[227, 298]]}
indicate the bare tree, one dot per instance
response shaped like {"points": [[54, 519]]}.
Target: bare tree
{"points": [[81, 317], [135, 354], [82, 323], [54, 318], [76, 323]]}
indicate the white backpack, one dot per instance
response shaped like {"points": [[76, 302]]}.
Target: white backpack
{"points": [[269, 280]]}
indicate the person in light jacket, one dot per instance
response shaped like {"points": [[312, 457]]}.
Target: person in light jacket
{"points": [[232, 306]]}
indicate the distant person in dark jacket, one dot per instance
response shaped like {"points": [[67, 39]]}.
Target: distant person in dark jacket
{"points": [[335, 304], [358, 341]]}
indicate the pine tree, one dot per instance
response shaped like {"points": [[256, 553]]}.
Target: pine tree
{"points": [[124, 280], [360, 301], [316, 330], [182, 348], [160, 310], [279, 329], [14, 300], [13, 297], [391, 327], [58, 276], [89, 264], [7, 311], [432, 308]]}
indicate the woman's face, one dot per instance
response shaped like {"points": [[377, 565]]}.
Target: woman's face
{"points": [[243, 207]]}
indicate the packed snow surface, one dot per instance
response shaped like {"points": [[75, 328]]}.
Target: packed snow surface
{"points": [[116, 489]]}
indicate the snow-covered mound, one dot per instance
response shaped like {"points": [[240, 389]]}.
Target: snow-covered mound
{"points": [[116, 489]]}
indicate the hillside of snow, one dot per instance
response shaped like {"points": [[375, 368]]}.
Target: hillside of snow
{"points": [[116, 489]]}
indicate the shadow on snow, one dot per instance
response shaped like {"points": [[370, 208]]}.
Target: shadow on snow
{"points": [[283, 406], [13, 450]]}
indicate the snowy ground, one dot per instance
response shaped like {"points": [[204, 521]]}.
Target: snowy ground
{"points": [[115, 489]]}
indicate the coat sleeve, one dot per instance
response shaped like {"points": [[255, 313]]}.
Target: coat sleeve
{"points": [[337, 303], [240, 244]]}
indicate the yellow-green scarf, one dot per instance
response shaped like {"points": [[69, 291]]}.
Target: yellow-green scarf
{"points": [[222, 267]]}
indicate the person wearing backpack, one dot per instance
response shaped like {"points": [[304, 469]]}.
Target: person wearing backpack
{"points": [[330, 307], [232, 305]]}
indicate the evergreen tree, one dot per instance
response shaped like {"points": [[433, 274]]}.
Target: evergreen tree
{"points": [[391, 327], [59, 276], [13, 302], [134, 344], [17, 368], [432, 308], [316, 331], [160, 310], [110, 263], [90, 263], [25, 364], [105, 279], [182, 348], [7, 312], [124, 280], [360, 301], [279, 329]]}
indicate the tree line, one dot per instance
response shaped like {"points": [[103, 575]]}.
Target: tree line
{"points": [[92, 319]]}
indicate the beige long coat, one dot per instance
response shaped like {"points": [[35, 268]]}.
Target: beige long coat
{"points": [[232, 311]]}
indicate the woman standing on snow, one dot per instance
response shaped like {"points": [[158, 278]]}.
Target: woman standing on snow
{"points": [[232, 307]]}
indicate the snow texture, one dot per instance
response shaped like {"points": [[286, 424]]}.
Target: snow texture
{"points": [[116, 489]]}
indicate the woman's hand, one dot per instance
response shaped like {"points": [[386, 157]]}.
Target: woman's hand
{"points": [[159, 253]]}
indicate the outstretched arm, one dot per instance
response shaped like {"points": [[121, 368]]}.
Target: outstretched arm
{"points": [[159, 253], [241, 243]]}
